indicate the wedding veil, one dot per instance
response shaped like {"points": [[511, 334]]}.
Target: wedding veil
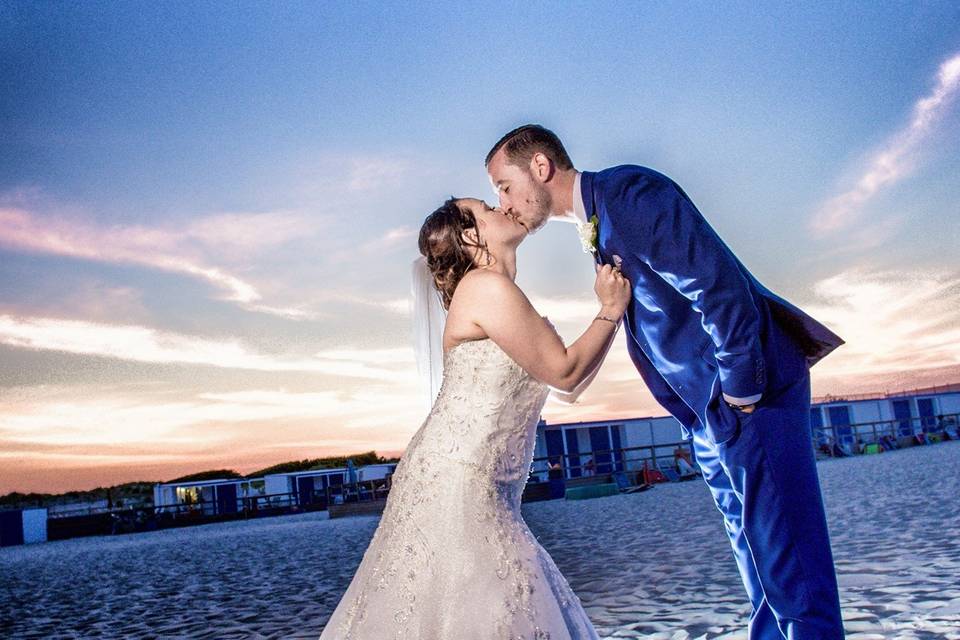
{"points": [[429, 318]]}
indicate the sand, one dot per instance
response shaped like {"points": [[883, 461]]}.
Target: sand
{"points": [[894, 518]]}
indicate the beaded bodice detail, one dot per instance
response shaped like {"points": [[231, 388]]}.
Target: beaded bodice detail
{"points": [[452, 556], [485, 417]]}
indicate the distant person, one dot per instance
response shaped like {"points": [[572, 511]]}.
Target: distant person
{"points": [[942, 430], [952, 428], [589, 467], [555, 471], [888, 443]]}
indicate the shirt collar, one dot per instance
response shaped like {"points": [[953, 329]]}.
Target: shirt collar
{"points": [[579, 211]]}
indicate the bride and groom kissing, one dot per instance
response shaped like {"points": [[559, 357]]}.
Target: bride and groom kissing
{"points": [[452, 557]]}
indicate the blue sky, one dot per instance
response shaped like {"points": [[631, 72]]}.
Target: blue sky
{"points": [[207, 212]]}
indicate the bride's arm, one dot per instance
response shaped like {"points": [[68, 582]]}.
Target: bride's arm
{"points": [[497, 306], [572, 396]]}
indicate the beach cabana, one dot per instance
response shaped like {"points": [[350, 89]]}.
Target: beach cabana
{"points": [[843, 424], [209, 497], [22, 526], [865, 418], [310, 487], [603, 446]]}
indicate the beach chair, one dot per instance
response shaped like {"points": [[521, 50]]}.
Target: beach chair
{"points": [[624, 485], [670, 474], [655, 475], [652, 476]]}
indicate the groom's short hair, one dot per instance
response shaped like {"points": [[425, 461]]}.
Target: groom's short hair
{"points": [[523, 142]]}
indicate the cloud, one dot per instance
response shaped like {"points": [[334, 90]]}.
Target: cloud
{"points": [[393, 238], [897, 157], [891, 320], [359, 409], [143, 344], [567, 309], [341, 296], [166, 250], [396, 355], [107, 420], [249, 233], [90, 298], [372, 173], [45, 422], [397, 305], [860, 240], [898, 325], [59, 457]]}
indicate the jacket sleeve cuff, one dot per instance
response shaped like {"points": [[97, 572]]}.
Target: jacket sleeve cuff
{"points": [[747, 380], [743, 401]]}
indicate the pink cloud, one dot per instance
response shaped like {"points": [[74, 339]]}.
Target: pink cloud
{"points": [[174, 251], [143, 344]]}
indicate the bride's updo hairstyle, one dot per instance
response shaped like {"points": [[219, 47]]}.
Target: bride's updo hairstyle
{"points": [[448, 253]]}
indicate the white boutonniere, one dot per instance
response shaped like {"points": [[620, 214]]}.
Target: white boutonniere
{"points": [[588, 234]]}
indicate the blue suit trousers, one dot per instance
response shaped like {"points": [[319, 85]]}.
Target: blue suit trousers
{"points": [[764, 482]]}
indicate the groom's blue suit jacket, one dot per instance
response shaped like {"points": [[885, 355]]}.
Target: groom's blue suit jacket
{"points": [[699, 324]]}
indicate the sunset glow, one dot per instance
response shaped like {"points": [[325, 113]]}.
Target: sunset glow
{"points": [[206, 264]]}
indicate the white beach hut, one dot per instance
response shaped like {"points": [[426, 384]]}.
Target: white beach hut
{"points": [[210, 497], [852, 419], [310, 487], [604, 446]]}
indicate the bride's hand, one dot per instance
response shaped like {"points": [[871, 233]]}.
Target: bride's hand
{"points": [[613, 290]]}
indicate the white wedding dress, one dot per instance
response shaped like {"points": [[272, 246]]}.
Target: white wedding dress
{"points": [[452, 558]]}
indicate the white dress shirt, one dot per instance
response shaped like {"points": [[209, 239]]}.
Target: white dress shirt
{"points": [[579, 211]]}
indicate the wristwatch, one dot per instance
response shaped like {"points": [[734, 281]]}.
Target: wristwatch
{"points": [[745, 408]]}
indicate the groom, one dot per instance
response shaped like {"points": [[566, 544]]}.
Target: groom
{"points": [[724, 355]]}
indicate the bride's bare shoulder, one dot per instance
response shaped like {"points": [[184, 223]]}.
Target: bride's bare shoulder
{"points": [[481, 285], [463, 314]]}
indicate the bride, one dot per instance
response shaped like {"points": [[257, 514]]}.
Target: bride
{"points": [[452, 558]]}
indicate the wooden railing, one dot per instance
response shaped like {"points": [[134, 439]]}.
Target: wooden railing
{"points": [[850, 439]]}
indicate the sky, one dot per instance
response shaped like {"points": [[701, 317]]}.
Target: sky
{"points": [[208, 211]]}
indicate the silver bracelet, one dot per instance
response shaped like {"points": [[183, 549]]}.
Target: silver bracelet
{"points": [[611, 320]]}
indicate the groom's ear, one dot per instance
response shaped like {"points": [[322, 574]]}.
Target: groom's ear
{"points": [[541, 166]]}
